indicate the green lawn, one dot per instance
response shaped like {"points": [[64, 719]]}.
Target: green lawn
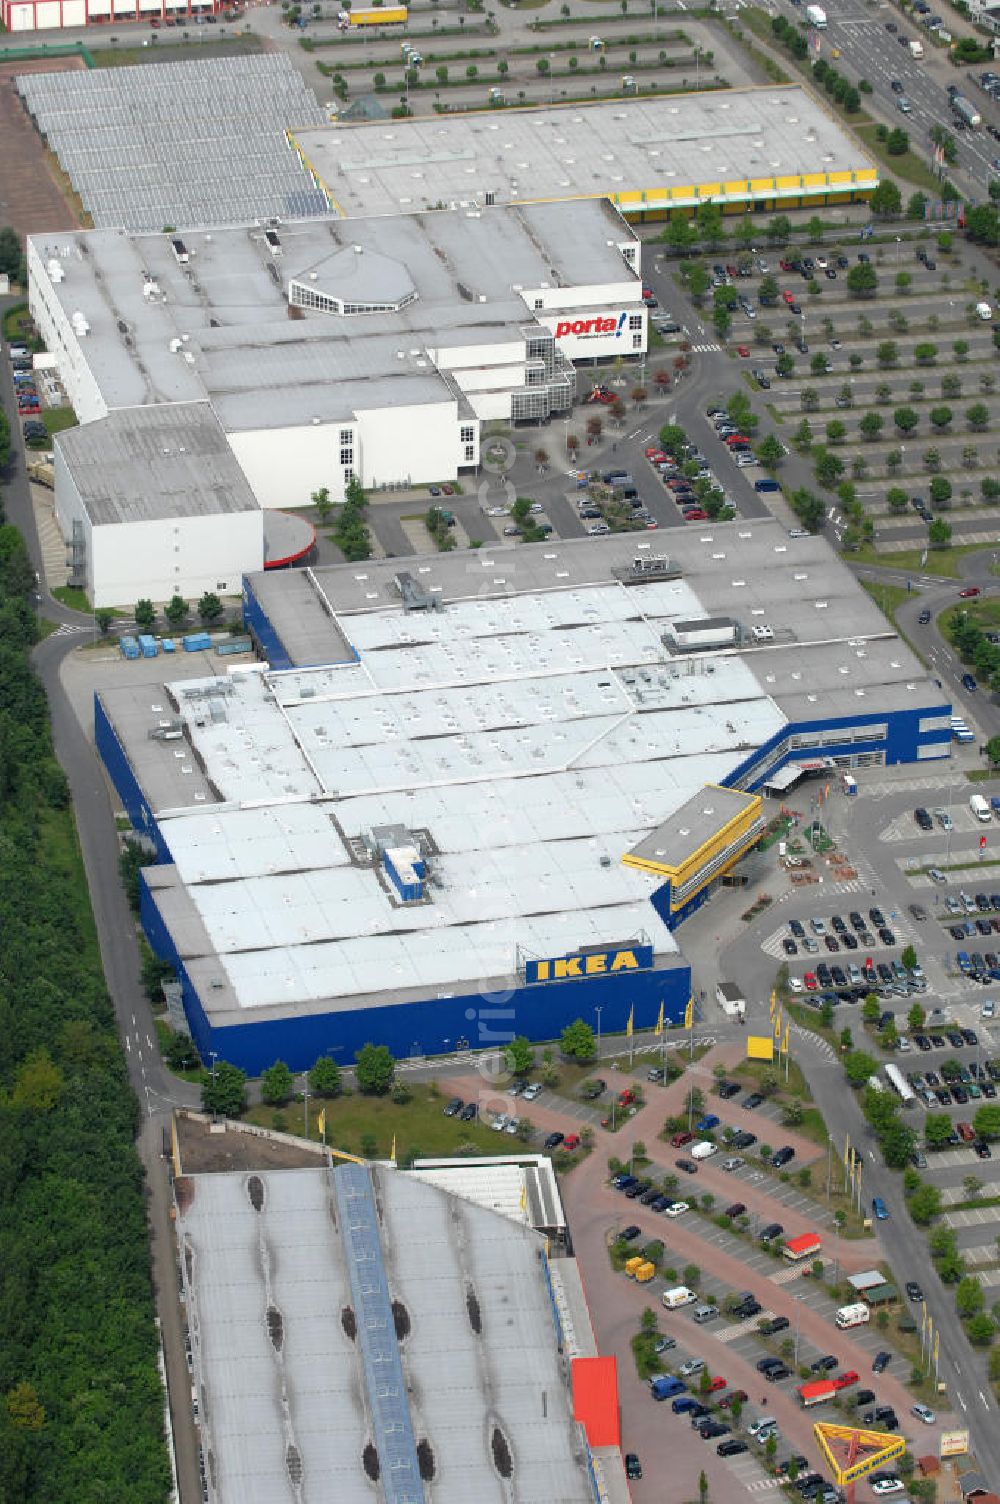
{"points": [[58, 418], [173, 49], [886, 597], [909, 166], [984, 612], [419, 1127], [72, 597], [942, 561], [59, 832], [15, 321]]}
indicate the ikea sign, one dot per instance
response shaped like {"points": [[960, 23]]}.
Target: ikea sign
{"points": [[591, 963]]}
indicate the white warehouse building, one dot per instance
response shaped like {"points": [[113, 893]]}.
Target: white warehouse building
{"points": [[152, 502], [326, 348]]}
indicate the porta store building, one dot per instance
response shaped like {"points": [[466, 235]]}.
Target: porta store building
{"points": [[477, 797]]}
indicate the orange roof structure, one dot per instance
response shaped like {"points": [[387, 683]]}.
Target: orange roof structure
{"points": [[595, 1400]]}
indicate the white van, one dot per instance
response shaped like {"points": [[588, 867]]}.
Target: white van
{"points": [[984, 312], [704, 1150], [856, 1315], [680, 1295], [981, 809]]}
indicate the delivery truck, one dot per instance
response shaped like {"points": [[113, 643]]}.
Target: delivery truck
{"points": [[916, 49], [816, 16], [679, 1296], [980, 808]]}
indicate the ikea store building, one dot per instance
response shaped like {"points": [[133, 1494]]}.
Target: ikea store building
{"points": [[477, 796]]}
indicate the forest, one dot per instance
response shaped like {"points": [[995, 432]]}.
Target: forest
{"points": [[81, 1405]]}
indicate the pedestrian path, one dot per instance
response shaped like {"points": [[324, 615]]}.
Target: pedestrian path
{"points": [[820, 1046], [706, 349], [69, 629], [785, 1275]]}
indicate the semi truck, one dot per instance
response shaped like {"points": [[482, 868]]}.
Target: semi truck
{"points": [[389, 15], [816, 16], [965, 110]]}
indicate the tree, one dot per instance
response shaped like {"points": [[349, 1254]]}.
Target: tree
{"points": [[916, 1015], [144, 615], [767, 292], [897, 143], [770, 451], [939, 533], [375, 1069], [871, 425], [980, 1329], [708, 217], [829, 468], [880, 1109], [925, 1204], [702, 1484], [887, 355], [871, 1008], [176, 610], [180, 1054], [519, 1056], [969, 1298], [209, 607], [577, 1040], [324, 1078], [987, 1121], [937, 1130], [896, 499], [859, 1066], [941, 417], [680, 234], [836, 431], [898, 1143], [978, 417], [904, 281], [802, 437], [224, 1090], [103, 618], [784, 365], [862, 281], [887, 198], [940, 490], [961, 349], [276, 1083], [321, 498], [793, 1113], [905, 419], [810, 509]]}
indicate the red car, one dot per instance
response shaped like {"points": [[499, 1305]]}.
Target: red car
{"points": [[786, 266], [845, 1380], [697, 515], [969, 591], [717, 1383], [810, 981], [743, 350], [730, 1399], [647, 293], [735, 440], [680, 1139], [789, 297], [571, 1142]]}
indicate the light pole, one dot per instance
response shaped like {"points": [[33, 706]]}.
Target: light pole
{"points": [[798, 1314], [305, 1107], [829, 1166], [597, 1010]]}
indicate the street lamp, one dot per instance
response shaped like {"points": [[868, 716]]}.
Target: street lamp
{"points": [[597, 1010]]}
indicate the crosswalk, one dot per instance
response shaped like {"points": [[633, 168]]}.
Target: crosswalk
{"points": [[68, 629], [787, 1273], [818, 1045], [706, 349]]}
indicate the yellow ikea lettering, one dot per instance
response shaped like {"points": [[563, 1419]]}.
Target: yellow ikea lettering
{"points": [[625, 961], [542, 971], [570, 967], [595, 963]]}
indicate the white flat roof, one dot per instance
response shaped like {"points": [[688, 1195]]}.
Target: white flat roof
{"points": [[532, 738], [709, 144], [218, 327]]}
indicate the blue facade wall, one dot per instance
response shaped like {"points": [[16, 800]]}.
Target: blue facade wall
{"points": [[902, 740], [258, 624], [433, 1026], [126, 784]]}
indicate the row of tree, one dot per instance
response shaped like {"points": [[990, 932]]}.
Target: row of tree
{"points": [[224, 1088], [81, 1404], [975, 648]]}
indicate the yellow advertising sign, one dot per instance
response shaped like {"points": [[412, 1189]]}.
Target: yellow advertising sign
{"points": [[954, 1443], [870, 1448], [760, 1047]]}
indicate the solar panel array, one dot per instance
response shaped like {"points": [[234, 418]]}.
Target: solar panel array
{"points": [[182, 144]]}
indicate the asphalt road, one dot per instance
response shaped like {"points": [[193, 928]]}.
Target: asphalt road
{"points": [[869, 51]]}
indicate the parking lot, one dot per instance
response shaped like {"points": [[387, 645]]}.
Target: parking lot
{"points": [[725, 1262], [893, 392]]}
